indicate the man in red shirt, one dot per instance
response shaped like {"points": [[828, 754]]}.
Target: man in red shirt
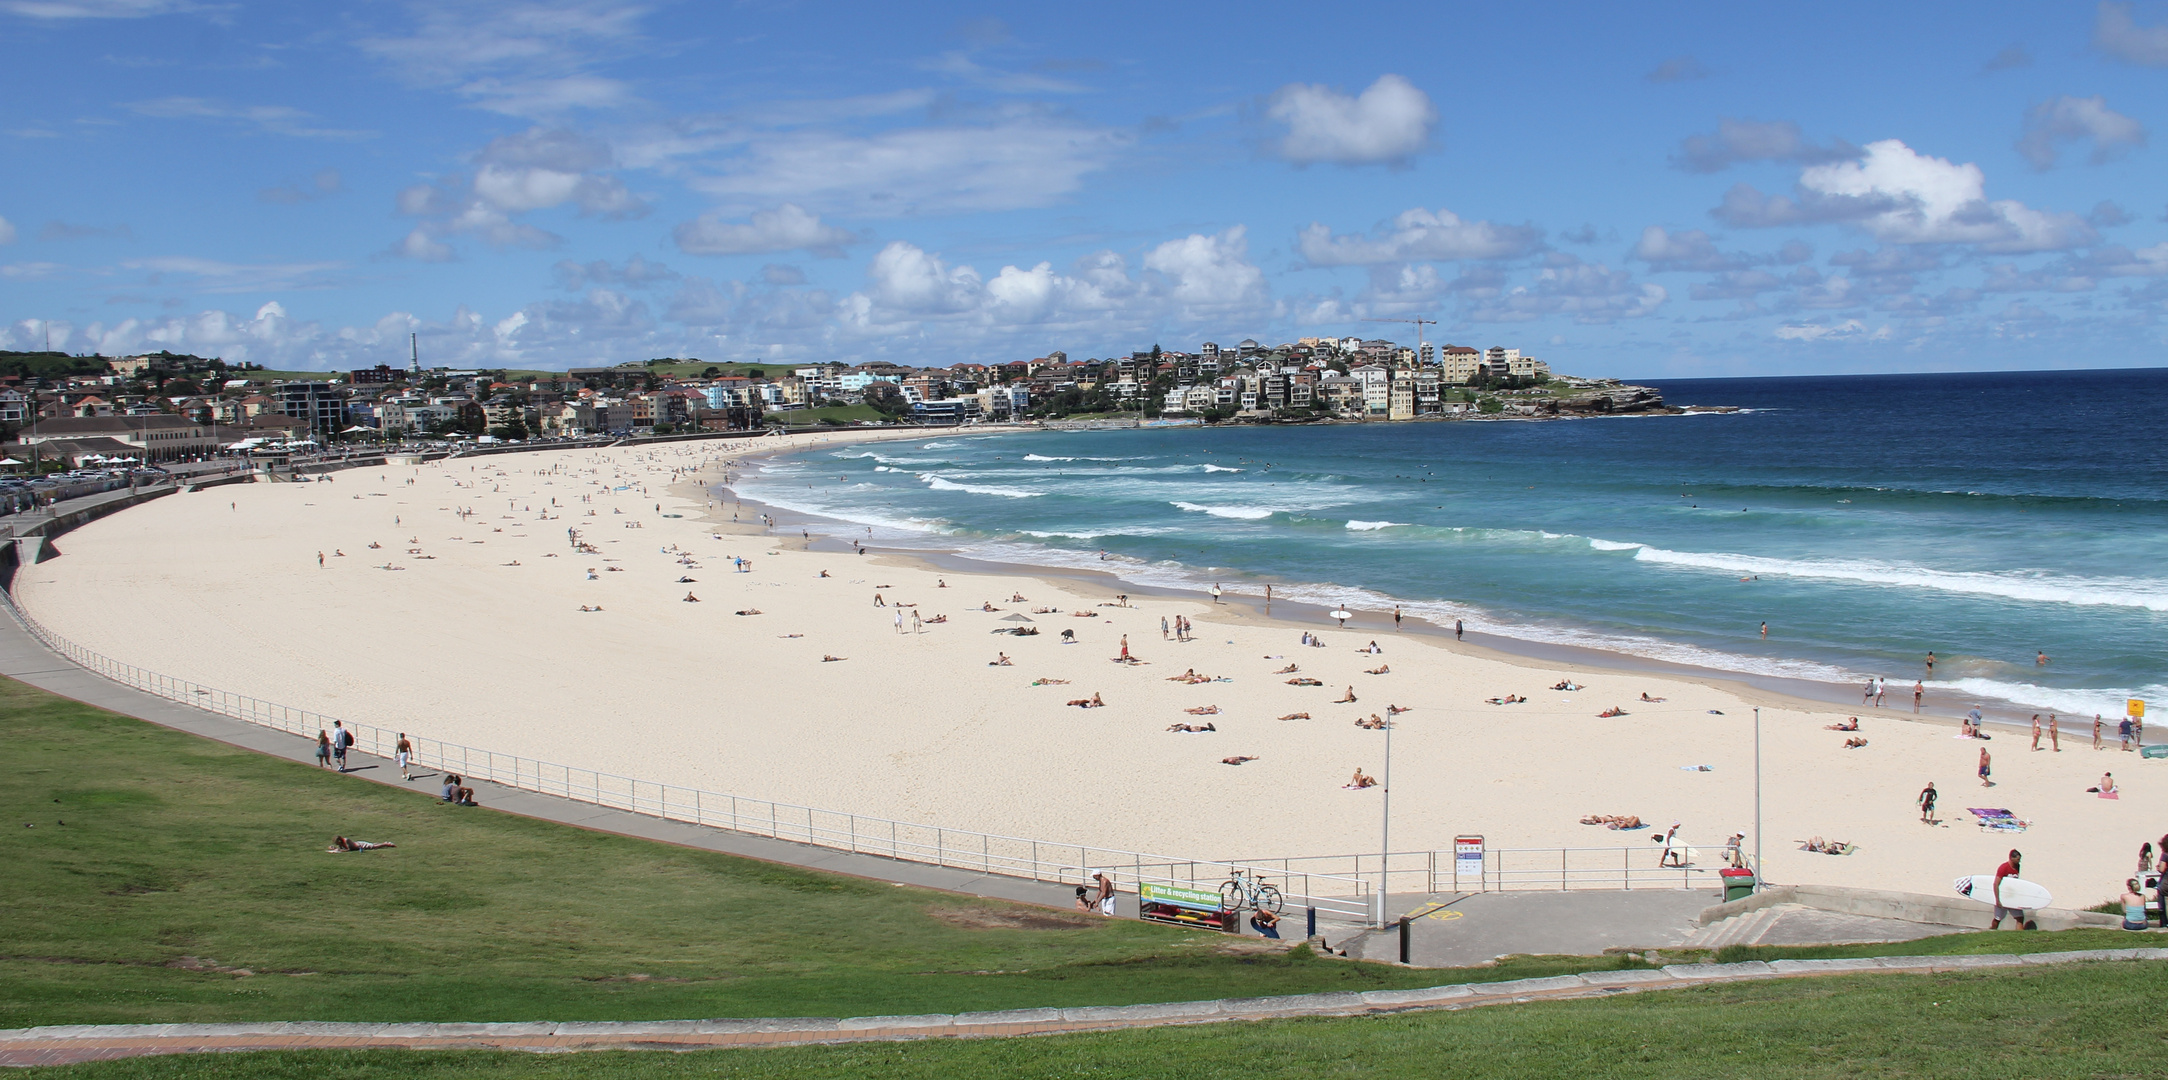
{"points": [[2008, 870]]}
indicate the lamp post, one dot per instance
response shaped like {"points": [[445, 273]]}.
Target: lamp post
{"points": [[1757, 802], [1385, 833]]}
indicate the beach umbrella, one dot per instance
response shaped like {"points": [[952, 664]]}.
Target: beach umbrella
{"points": [[1015, 617], [1343, 615]]}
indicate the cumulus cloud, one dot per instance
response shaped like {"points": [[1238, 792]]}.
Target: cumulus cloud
{"points": [[1678, 69], [1387, 124], [1735, 141], [1687, 249], [2118, 34], [539, 169], [785, 228], [2107, 214], [1419, 234], [1206, 274], [2067, 119], [56, 10], [1903, 197], [2114, 260]]}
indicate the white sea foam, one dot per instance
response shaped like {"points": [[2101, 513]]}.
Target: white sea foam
{"points": [[2147, 593], [1220, 468], [1042, 457], [1373, 526], [1612, 545], [1239, 513], [2069, 701], [939, 483]]}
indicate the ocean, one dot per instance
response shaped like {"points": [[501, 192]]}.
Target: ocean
{"points": [[1867, 520]]}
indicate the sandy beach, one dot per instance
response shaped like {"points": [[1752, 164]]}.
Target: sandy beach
{"points": [[469, 627]]}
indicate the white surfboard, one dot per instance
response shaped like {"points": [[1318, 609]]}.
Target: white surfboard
{"points": [[2017, 893]]}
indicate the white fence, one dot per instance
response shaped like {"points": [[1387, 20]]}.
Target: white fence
{"points": [[990, 853], [1507, 869]]}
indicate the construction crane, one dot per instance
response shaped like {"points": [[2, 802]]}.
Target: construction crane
{"points": [[1418, 321]]}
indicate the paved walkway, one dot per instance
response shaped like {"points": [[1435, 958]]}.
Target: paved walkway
{"points": [[71, 1044]]}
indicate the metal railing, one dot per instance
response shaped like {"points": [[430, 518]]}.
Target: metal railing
{"points": [[1510, 869], [965, 849]]}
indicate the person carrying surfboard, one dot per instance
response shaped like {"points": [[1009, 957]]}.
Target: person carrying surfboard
{"points": [[2008, 870]]}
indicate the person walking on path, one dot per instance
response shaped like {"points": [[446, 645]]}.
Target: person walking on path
{"points": [[341, 740], [1927, 804], [404, 753], [323, 749], [1985, 770], [2008, 870], [1106, 893]]}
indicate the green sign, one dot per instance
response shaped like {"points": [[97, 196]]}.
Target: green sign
{"points": [[1179, 896]]}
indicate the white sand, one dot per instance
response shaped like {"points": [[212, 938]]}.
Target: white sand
{"points": [[222, 587]]}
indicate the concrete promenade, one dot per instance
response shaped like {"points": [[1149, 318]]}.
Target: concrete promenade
{"points": [[61, 1045]]}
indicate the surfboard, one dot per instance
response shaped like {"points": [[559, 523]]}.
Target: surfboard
{"points": [[2017, 893]]}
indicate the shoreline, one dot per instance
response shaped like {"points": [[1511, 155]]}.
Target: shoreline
{"points": [[512, 640]]}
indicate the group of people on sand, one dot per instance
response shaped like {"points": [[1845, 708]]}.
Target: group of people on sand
{"points": [[1569, 684], [1614, 821], [1375, 723]]}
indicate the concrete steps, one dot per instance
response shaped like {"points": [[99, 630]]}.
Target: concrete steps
{"points": [[1743, 929]]}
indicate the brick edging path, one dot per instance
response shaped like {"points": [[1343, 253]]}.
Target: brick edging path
{"points": [[67, 1044]]}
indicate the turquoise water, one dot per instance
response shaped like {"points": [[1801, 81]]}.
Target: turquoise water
{"points": [[1867, 520]]}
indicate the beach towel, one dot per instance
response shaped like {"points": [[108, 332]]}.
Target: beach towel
{"points": [[2000, 820]]}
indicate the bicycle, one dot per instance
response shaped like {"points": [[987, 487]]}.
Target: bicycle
{"points": [[1241, 890]]}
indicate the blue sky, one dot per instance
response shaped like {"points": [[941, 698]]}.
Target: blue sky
{"points": [[1708, 190]]}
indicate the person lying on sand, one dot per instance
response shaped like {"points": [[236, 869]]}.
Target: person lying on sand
{"points": [[340, 843], [1288, 670], [1001, 659], [1305, 682], [1345, 698], [1614, 821], [1203, 710], [1360, 781], [1237, 760], [1611, 712], [755, 611], [1049, 682], [826, 659], [1296, 716], [1568, 684], [1045, 611], [1645, 697], [1091, 702], [1381, 669], [987, 605], [1849, 725], [1854, 743], [938, 619], [1396, 710], [1017, 598], [686, 580], [373, 545], [1826, 847], [1375, 723], [1192, 727]]}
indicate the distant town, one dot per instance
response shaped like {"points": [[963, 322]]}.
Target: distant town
{"points": [[170, 407]]}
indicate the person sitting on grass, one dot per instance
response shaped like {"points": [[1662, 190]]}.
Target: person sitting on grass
{"points": [[2133, 906]]}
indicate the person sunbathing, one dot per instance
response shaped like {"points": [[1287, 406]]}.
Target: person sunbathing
{"points": [[1049, 682], [824, 573], [1849, 725], [686, 580], [826, 659], [690, 598], [1564, 684], [1288, 670], [1360, 781], [1396, 710], [1091, 702], [1346, 698], [1192, 727], [1001, 659], [1374, 650], [1305, 682], [1854, 743], [1611, 712], [340, 843], [1375, 723], [1045, 611], [2106, 785], [373, 545], [937, 619], [1381, 669], [1296, 716], [987, 606], [1017, 598], [1203, 710], [1645, 697], [1238, 759]]}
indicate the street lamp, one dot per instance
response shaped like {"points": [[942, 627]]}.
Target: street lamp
{"points": [[1385, 839], [1757, 801]]}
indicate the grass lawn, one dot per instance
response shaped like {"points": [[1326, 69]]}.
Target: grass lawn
{"points": [[812, 417], [2081, 1021]]}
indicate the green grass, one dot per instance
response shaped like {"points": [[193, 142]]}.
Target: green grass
{"points": [[2079, 1021], [841, 413]]}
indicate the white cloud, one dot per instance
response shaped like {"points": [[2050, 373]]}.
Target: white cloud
{"points": [[539, 169], [1209, 273], [2075, 119], [7, 231], [1023, 160], [521, 59], [2116, 33], [1848, 330], [270, 119], [1735, 141], [1903, 197], [785, 228], [1688, 249], [211, 275], [420, 246], [1388, 124], [1419, 234], [1589, 292], [94, 9], [637, 272]]}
